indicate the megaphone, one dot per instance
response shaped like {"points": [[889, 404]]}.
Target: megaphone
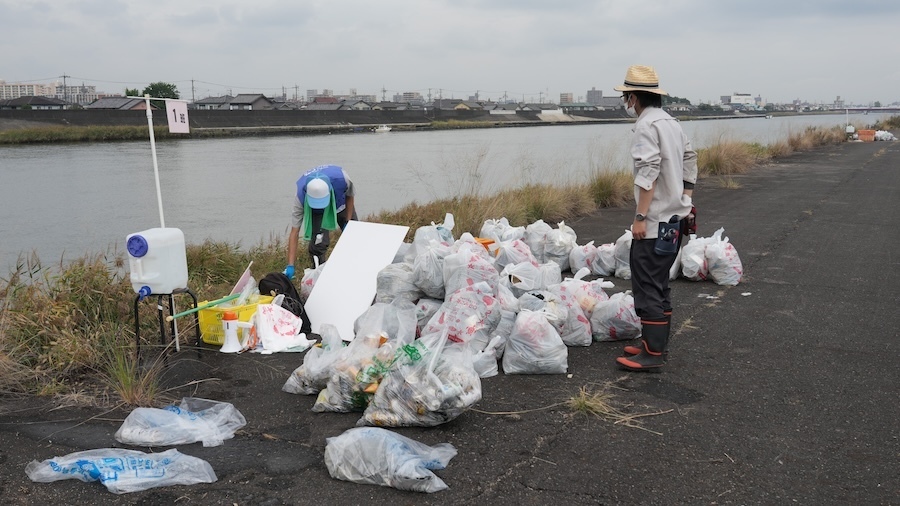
{"points": [[230, 324]]}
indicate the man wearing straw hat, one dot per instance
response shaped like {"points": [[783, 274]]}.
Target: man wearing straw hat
{"points": [[324, 201], [665, 170]]}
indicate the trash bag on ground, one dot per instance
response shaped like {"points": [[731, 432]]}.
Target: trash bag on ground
{"points": [[441, 234], [485, 361], [558, 244], [402, 252], [605, 262], [722, 258], [397, 280], [428, 269], [467, 242], [194, 419], [362, 364], [469, 314], [501, 231], [511, 253], [548, 303], [623, 255], [466, 268], [504, 329], [521, 277], [425, 309], [535, 238], [550, 274], [122, 471], [582, 256], [615, 319], [313, 375], [435, 384], [376, 456], [693, 258], [575, 295], [534, 347], [397, 320]]}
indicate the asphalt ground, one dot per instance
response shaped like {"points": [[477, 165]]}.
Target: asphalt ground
{"points": [[781, 390]]}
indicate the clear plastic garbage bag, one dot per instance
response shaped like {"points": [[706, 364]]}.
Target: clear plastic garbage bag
{"points": [[313, 375], [375, 456], [534, 347], [195, 419], [122, 471]]}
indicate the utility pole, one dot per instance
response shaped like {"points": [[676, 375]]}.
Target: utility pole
{"points": [[383, 91], [193, 96], [65, 91], [429, 94]]}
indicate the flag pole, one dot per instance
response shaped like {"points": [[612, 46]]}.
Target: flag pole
{"points": [[162, 220]]}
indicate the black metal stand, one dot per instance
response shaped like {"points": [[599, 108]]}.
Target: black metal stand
{"points": [[162, 318]]}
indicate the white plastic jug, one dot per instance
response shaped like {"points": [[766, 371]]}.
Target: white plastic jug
{"points": [[157, 261]]}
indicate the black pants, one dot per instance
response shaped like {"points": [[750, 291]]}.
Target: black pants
{"points": [[318, 246], [650, 278]]}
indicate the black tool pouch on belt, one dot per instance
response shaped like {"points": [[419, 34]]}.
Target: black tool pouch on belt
{"points": [[667, 238]]}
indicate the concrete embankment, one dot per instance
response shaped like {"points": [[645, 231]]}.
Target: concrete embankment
{"points": [[305, 121]]}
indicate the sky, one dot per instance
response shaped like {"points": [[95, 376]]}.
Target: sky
{"points": [[526, 50]]}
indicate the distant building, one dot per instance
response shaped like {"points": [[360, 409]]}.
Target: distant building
{"points": [[566, 98], [610, 104], [34, 103], [119, 104], [594, 96], [249, 102], [210, 103], [741, 99], [838, 103], [16, 90]]}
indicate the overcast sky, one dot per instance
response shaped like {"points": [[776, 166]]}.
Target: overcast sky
{"points": [[780, 50]]}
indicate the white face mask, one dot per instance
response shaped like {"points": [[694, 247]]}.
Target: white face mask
{"points": [[629, 110]]}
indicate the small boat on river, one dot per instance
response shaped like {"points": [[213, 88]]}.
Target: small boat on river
{"points": [[381, 129]]}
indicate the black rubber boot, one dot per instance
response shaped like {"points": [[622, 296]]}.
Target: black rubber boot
{"points": [[656, 336], [629, 351]]}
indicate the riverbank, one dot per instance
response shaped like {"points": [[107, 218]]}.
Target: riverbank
{"points": [[768, 396], [25, 127]]}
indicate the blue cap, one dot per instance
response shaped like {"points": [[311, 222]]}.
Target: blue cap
{"points": [[318, 193]]}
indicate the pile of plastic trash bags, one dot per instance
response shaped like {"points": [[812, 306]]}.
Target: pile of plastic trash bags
{"points": [[449, 312]]}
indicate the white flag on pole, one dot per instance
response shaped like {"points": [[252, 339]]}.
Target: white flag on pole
{"points": [[177, 112]]}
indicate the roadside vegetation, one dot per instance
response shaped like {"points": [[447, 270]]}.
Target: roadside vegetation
{"points": [[68, 329]]}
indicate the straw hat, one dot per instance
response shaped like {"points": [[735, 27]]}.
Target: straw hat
{"points": [[641, 78]]}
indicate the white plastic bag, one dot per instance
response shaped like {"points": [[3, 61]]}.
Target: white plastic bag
{"points": [[605, 262], [428, 269], [500, 230], [623, 255], [558, 243], [470, 315], [485, 361], [511, 253], [615, 319], [467, 268], [693, 258], [396, 320], [582, 256], [724, 263], [312, 376], [396, 280], [122, 471], [520, 278], [535, 238], [425, 309], [279, 330], [310, 276], [534, 347], [375, 456], [193, 420]]}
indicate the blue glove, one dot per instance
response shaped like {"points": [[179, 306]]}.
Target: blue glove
{"points": [[289, 271]]}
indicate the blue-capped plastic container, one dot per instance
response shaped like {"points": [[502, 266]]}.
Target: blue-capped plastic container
{"points": [[157, 260]]}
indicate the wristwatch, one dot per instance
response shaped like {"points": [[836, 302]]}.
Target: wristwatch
{"points": [[640, 217]]}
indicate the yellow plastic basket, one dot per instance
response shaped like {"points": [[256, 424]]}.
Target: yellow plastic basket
{"points": [[211, 330]]}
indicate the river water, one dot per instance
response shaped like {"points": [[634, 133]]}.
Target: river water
{"points": [[62, 201]]}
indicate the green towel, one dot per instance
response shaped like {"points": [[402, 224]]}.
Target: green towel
{"points": [[329, 218]]}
